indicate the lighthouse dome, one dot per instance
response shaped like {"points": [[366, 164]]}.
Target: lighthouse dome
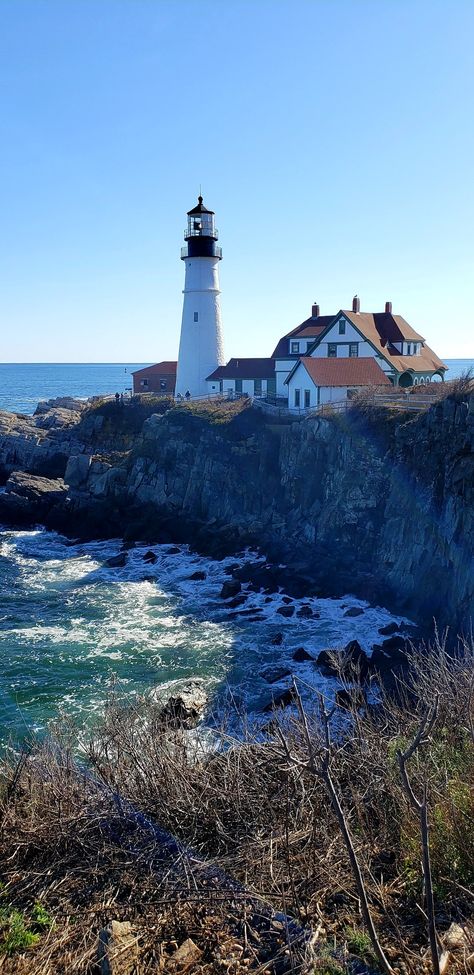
{"points": [[201, 222]]}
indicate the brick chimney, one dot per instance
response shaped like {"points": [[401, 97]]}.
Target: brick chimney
{"points": [[388, 307], [355, 303], [315, 311]]}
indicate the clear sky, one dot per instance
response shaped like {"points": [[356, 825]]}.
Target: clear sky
{"points": [[333, 138]]}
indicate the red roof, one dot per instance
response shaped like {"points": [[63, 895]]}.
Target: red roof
{"points": [[309, 328], [160, 368], [344, 371], [244, 369]]}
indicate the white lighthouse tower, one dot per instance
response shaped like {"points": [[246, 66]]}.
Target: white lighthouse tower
{"points": [[201, 347]]}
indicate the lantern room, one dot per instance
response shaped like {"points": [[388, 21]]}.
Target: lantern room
{"points": [[200, 222]]}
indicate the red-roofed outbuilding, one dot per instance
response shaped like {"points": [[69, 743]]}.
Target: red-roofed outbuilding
{"points": [[159, 379]]}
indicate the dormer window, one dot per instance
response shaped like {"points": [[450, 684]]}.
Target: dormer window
{"points": [[295, 348], [342, 326]]}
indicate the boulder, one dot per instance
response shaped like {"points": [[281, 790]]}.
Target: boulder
{"points": [[274, 674], [150, 557], [286, 610], [116, 561], [117, 950], [230, 588], [238, 601], [183, 704], [348, 699], [197, 576], [187, 955], [301, 655], [281, 700], [354, 664], [305, 612], [173, 550], [77, 471], [28, 499], [277, 640], [389, 629], [287, 600], [354, 611]]}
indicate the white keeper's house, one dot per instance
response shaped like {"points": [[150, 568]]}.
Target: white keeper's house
{"points": [[330, 357]]}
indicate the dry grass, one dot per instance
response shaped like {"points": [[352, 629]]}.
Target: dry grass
{"points": [[246, 814]]}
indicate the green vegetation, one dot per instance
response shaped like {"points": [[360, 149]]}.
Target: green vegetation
{"points": [[16, 934], [215, 411]]}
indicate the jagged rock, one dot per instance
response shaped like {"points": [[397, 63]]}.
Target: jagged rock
{"points": [[62, 402], [353, 662], [150, 557], [116, 561], [238, 601], [28, 498], [305, 612], [281, 700], [301, 655], [173, 550], [230, 588], [183, 704], [354, 611], [274, 674], [286, 610], [287, 600], [117, 950], [187, 955], [197, 576], [389, 629], [77, 471], [350, 698]]}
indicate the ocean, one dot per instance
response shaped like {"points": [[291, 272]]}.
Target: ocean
{"points": [[22, 385], [71, 628]]}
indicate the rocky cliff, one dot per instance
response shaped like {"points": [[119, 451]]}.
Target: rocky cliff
{"points": [[370, 502]]}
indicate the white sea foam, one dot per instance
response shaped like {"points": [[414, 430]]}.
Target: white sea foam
{"points": [[69, 620]]}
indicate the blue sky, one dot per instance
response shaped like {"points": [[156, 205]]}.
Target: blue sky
{"points": [[333, 138]]}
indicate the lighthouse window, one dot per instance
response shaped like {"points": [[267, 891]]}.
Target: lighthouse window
{"points": [[196, 316]]}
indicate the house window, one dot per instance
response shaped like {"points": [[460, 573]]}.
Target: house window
{"points": [[309, 344], [307, 399], [257, 387], [409, 348], [162, 383], [353, 350], [332, 350], [297, 398], [238, 385], [342, 326], [144, 382], [295, 347], [196, 316]]}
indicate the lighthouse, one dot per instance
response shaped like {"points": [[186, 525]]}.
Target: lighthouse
{"points": [[201, 347]]}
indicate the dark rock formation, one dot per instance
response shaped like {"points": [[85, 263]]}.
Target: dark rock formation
{"points": [[183, 706], [230, 588], [274, 674], [286, 610], [116, 561], [381, 506], [301, 655]]}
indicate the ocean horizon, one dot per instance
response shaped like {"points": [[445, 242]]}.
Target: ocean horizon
{"points": [[24, 384]]}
